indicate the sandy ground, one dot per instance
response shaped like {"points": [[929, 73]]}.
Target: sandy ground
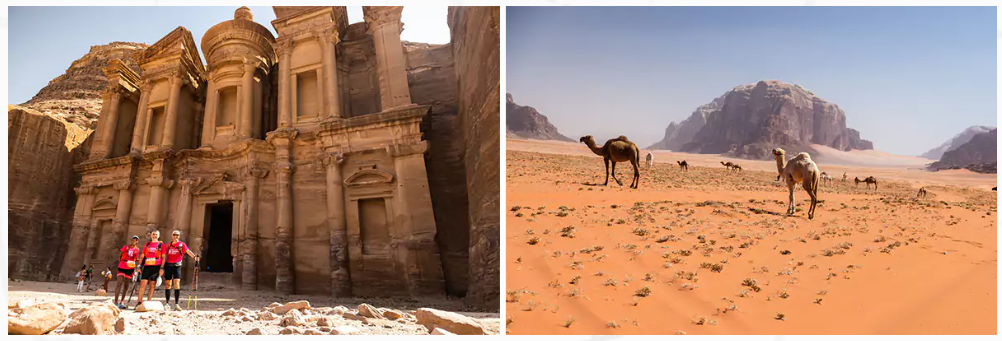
{"points": [[712, 252], [207, 319]]}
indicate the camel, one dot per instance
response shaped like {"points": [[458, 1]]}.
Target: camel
{"points": [[619, 149], [922, 193], [731, 166], [869, 180], [650, 160], [845, 176], [826, 178], [682, 165], [800, 169]]}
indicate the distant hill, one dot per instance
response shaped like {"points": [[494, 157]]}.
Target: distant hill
{"points": [[526, 122], [956, 141]]}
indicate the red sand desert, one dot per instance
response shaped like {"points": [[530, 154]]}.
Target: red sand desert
{"points": [[712, 252]]}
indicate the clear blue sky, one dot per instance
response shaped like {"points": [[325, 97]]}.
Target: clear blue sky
{"points": [[907, 78], [44, 41]]}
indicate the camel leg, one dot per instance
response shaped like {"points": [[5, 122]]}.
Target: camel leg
{"points": [[812, 191], [790, 210], [636, 175], [614, 174], [606, 173]]}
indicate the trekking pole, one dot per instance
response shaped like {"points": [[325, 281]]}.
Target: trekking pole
{"points": [[196, 285], [191, 287], [135, 285]]}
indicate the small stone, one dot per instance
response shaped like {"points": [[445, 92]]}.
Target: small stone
{"points": [[326, 321], [290, 330], [312, 331], [325, 329], [301, 305], [344, 330], [100, 292], [246, 319], [338, 310], [392, 314], [150, 306], [440, 331], [369, 311], [267, 316], [274, 305], [352, 316], [255, 331], [122, 326], [230, 312], [293, 318], [322, 310]]}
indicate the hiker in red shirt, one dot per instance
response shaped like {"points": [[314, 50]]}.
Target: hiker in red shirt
{"points": [[127, 262], [153, 257], [176, 250]]}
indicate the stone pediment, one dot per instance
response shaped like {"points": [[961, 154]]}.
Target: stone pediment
{"points": [[369, 177], [105, 204], [220, 185]]}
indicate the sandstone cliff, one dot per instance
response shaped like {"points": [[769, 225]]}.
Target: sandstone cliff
{"points": [[678, 134], [476, 43], [526, 122], [75, 96], [753, 119], [980, 154], [41, 152], [956, 142]]}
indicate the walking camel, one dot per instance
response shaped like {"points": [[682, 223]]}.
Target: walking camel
{"points": [[845, 176], [869, 180], [684, 166], [826, 178], [922, 193], [800, 169], [731, 165], [619, 149], [650, 160]]}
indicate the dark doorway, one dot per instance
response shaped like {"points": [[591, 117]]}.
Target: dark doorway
{"points": [[218, 236]]}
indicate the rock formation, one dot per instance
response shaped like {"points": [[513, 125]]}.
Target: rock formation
{"points": [[753, 119], [75, 96], [526, 122], [979, 154], [476, 46], [678, 134], [956, 142]]}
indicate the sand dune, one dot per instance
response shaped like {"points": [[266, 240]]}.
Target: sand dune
{"points": [[579, 255]]}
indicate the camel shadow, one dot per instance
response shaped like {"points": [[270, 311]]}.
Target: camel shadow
{"points": [[762, 211]]}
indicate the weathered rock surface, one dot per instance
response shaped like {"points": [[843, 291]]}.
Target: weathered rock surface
{"points": [[956, 142], [40, 178], [525, 122], [297, 305], [453, 322], [979, 154], [753, 119], [75, 96], [35, 319], [369, 311], [344, 330], [150, 306], [476, 50], [255, 331], [122, 326], [678, 134], [100, 292], [440, 331], [293, 318], [95, 319]]}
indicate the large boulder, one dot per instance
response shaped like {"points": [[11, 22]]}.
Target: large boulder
{"points": [[453, 322], [369, 311], [293, 318], [300, 305], [95, 319], [35, 319]]}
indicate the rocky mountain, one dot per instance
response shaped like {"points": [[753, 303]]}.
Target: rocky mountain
{"points": [[750, 120], [678, 134], [956, 142], [75, 96], [526, 122], [980, 154]]}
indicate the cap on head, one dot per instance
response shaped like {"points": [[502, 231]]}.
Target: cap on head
{"points": [[135, 237], [176, 233]]}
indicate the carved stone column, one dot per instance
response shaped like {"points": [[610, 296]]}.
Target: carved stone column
{"points": [[107, 125], [183, 223], [120, 226], [159, 185], [328, 42], [142, 114], [209, 119], [170, 123], [284, 48], [423, 261], [284, 275], [249, 278], [78, 235], [246, 101], [385, 26], [340, 276], [93, 238]]}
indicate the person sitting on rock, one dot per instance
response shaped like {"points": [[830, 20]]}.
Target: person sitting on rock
{"points": [[172, 268], [127, 262]]}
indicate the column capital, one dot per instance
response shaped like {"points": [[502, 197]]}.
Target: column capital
{"points": [[282, 136], [123, 185], [327, 35], [329, 159], [401, 150], [257, 173], [283, 46], [378, 16], [85, 190], [160, 181]]}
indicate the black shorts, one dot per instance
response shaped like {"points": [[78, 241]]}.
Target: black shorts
{"points": [[172, 272], [127, 273], [150, 273]]}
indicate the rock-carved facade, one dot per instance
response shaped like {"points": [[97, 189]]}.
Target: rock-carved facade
{"points": [[294, 163]]}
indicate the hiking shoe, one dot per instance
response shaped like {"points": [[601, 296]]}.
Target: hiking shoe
{"points": [[177, 307]]}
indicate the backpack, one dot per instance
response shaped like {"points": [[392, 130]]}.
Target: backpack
{"points": [[178, 248]]}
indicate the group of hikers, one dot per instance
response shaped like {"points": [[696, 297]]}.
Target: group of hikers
{"points": [[146, 265]]}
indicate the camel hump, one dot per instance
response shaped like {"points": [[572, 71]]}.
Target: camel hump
{"points": [[622, 138]]}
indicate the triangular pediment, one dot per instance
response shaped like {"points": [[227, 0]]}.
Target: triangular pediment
{"points": [[369, 177]]}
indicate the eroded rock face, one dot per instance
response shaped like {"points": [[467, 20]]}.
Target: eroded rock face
{"points": [[956, 142], [754, 119], [525, 122], [476, 51], [678, 134], [41, 153], [980, 154], [95, 319], [76, 94]]}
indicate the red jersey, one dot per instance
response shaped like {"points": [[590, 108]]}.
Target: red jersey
{"points": [[130, 257], [176, 251], [152, 253]]}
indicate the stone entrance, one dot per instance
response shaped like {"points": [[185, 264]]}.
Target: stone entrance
{"points": [[218, 237]]}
